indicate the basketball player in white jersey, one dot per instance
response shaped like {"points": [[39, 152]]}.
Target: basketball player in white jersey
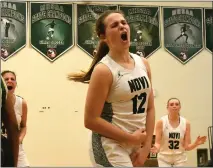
{"points": [[9, 144], [20, 107], [173, 137], [120, 103]]}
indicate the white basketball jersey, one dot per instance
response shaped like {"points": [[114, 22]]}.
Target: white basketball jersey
{"points": [[126, 104], [18, 109], [173, 138], [22, 158]]}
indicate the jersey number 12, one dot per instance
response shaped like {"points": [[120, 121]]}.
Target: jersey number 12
{"points": [[142, 98]]}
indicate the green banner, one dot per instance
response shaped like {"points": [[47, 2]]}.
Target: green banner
{"points": [[13, 28], [144, 27], [183, 32], [208, 20], [51, 29], [87, 15]]}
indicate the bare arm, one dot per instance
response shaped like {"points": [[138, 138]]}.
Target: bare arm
{"points": [[100, 83], [187, 139], [138, 158], [12, 127], [150, 118], [158, 136], [23, 125]]}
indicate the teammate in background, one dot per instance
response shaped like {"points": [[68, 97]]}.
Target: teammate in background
{"points": [[173, 137], [20, 107], [9, 143]]}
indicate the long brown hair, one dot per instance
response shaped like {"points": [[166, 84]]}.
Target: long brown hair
{"points": [[102, 49]]}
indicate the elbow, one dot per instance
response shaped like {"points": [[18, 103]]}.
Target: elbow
{"points": [[187, 148], [91, 123], [88, 123]]}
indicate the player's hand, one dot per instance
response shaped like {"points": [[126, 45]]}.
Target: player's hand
{"points": [[140, 156], [200, 140], [139, 137], [154, 149]]}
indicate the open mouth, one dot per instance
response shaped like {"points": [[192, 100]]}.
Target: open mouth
{"points": [[9, 87], [124, 36]]}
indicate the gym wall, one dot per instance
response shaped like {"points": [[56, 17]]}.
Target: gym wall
{"points": [[56, 135]]}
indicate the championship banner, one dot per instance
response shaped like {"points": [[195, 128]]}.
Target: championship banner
{"points": [[13, 28], [144, 27], [87, 15], [183, 32], [208, 20], [51, 29]]}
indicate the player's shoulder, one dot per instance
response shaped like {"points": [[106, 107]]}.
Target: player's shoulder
{"points": [[101, 69], [185, 121], [164, 117], [19, 97], [183, 118], [102, 74], [161, 120]]}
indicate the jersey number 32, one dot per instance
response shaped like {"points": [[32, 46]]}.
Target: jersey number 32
{"points": [[173, 144]]}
